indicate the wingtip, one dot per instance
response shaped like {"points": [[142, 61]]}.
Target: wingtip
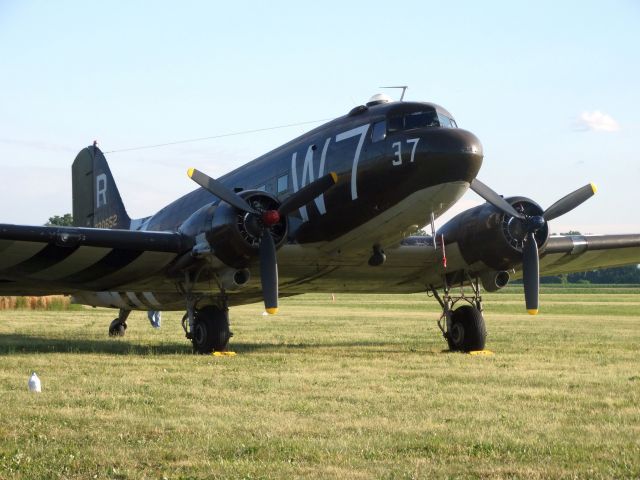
{"points": [[532, 311], [190, 172], [334, 175], [272, 311], [594, 188]]}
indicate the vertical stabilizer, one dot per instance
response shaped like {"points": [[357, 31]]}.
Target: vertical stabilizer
{"points": [[96, 200]]}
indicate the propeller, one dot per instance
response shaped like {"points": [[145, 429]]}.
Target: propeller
{"points": [[267, 219], [528, 226]]}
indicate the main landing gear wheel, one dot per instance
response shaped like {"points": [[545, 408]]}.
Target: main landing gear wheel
{"points": [[468, 331], [210, 330]]}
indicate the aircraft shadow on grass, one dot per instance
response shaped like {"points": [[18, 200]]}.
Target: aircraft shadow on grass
{"points": [[15, 343]]}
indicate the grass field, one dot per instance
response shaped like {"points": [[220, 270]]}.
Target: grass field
{"points": [[359, 388]]}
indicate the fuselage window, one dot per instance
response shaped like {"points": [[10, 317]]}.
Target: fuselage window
{"points": [[283, 183], [379, 131], [262, 188], [453, 123], [421, 119]]}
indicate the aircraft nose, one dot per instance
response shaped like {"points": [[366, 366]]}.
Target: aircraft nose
{"points": [[453, 141], [454, 153]]}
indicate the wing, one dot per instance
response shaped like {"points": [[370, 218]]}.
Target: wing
{"points": [[49, 260], [415, 263], [578, 253]]}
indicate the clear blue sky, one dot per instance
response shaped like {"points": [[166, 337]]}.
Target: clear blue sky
{"points": [[551, 88]]}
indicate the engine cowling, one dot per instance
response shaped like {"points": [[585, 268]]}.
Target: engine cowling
{"points": [[232, 235], [487, 235]]}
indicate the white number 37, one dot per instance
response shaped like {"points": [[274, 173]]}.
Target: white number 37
{"points": [[397, 150]]}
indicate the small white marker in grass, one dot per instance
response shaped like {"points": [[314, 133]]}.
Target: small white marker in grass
{"points": [[34, 383]]}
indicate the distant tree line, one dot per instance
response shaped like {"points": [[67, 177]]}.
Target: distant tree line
{"points": [[627, 275], [65, 220]]}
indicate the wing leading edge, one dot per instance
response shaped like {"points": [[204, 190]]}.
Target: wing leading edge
{"points": [[46, 260], [579, 253]]}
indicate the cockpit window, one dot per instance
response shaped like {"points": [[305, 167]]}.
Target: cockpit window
{"points": [[421, 119], [427, 118], [395, 124], [446, 121], [379, 131]]}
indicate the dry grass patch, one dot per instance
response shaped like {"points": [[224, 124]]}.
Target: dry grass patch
{"points": [[51, 302]]}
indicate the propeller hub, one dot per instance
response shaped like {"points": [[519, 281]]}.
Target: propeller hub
{"points": [[270, 217], [535, 223]]}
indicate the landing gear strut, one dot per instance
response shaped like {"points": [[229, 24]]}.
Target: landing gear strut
{"points": [[208, 328], [464, 327], [118, 327]]}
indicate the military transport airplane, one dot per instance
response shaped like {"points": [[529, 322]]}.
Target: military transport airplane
{"points": [[332, 210]]}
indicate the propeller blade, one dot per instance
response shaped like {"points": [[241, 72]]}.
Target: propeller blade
{"points": [[494, 199], [570, 202], [220, 191], [531, 273], [307, 193], [269, 272]]}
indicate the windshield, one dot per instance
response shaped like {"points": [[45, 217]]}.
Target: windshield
{"points": [[421, 119], [424, 119]]}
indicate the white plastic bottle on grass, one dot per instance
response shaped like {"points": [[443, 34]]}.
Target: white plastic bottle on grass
{"points": [[34, 383]]}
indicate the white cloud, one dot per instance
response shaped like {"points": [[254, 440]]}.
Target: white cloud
{"points": [[598, 121]]}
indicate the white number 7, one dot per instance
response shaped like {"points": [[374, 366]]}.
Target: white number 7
{"points": [[362, 130]]}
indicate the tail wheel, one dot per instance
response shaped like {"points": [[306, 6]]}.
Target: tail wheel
{"points": [[468, 331], [211, 330], [117, 328]]}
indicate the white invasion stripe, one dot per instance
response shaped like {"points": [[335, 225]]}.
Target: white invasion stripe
{"points": [[134, 299], [151, 299], [18, 252], [82, 258], [109, 299]]}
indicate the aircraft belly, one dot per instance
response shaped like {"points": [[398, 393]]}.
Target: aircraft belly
{"points": [[397, 222], [342, 264]]}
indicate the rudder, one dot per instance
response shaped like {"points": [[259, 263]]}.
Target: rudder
{"points": [[96, 199]]}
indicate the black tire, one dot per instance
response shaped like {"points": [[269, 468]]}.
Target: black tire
{"points": [[211, 330], [468, 331], [117, 328]]}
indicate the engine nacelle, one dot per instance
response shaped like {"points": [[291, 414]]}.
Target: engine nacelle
{"points": [[233, 236], [488, 236]]}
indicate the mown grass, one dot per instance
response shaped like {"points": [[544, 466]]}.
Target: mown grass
{"points": [[359, 388]]}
